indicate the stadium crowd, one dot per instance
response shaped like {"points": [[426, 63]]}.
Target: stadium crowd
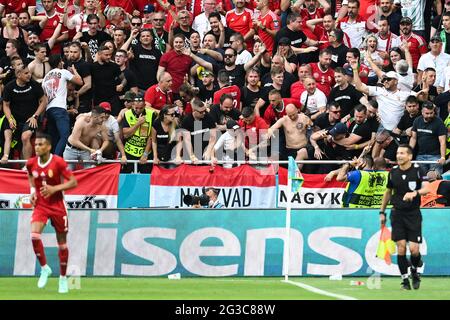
{"points": [[224, 79]]}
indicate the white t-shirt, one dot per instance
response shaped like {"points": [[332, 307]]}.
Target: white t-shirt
{"points": [[383, 43], [391, 105], [201, 24], [439, 63], [313, 102], [243, 57], [406, 82], [445, 79], [55, 87], [226, 145]]}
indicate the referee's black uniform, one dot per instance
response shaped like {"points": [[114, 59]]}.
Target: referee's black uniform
{"points": [[406, 218]]}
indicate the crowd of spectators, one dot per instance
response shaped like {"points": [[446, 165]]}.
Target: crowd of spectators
{"points": [[172, 81]]}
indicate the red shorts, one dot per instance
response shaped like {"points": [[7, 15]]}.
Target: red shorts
{"points": [[57, 216]]}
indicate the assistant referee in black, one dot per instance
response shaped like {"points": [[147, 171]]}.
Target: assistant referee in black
{"points": [[404, 189]]}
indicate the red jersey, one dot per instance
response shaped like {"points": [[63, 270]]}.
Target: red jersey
{"points": [[253, 131], [158, 98], [178, 65], [417, 47], [48, 30], [317, 14], [322, 35], [17, 6], [270, 21], [50, 173], [297, 89], [241, 23], [325, 80], [127, 5], [233, 91], [271, 115]]}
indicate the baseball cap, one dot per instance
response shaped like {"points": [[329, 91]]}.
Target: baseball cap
{"points": [[129, 96], [406, 20], [149, 8], [138, 97], [232, 124], [285, 41], [206, 73], [339, 128], [436, 38], [105, 106], [348, 71], [391, 75]]}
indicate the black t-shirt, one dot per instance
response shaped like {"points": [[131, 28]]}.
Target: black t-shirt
{"points": [[347, 98], [237, 75], [5, 64], [297, 38], [131, 80], [206, 95], [444, 189], [401, 182], [219, 117], [105, 78], [364, 131], [437, 23], [323, 121], [84, 70], [390, 152], [265, 96], [24, 101], [406, 121], [249, 98], [145, 66], [163, 143], [428, 135], [432, 93], [200, 131], [288, 80], [228, 34], [94, 41], [373, 123], [394, 21], [338, 56]]}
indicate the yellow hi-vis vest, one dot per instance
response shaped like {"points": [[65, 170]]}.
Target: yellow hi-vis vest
{"points": [[369, 193], [135, 145], [447, 125]]}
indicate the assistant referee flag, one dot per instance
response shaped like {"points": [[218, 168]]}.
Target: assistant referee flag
{"points": [[295, 175]]}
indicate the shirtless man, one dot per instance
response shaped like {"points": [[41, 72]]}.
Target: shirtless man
{"points": [[295, 125], [85, 131], [39, 67]]}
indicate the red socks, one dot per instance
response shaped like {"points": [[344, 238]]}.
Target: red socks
{"points": [[38, 248], [63, 254]]}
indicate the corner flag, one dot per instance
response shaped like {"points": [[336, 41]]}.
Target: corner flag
{"points": [[386, 247], [295, 175]]}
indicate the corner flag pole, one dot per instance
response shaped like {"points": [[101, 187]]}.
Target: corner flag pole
{"points": [[287, 240]]}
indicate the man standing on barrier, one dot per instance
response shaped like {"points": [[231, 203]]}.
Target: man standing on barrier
{"points": [[404, 191]]}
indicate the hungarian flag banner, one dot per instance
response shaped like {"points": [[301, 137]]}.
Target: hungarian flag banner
{"points": [[315, 192], [240, 187], [97, 188], [386, 246]]}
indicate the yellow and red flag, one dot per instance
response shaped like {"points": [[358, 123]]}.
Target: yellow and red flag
{"points": [[386, 246]]}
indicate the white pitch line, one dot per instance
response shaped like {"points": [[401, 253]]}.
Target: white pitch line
{"points": [[319, 291]]}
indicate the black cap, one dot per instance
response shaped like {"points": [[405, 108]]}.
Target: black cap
{"points": [[406, 20], [285, 41], [139, 97], [232, 124], [339, 128]]}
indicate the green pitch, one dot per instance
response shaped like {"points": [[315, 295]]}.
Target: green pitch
{"points": [[387, 288]]}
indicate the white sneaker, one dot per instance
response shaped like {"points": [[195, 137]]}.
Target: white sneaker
{"points": [[63, 285], [43, 278]]}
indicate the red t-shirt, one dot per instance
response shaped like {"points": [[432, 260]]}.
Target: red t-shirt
{"points": [[269, 21], [158, 98], [177, 65], [297, 89], [17, 6], [50, 173], [271, 115], [252, 130], [48, 30], [417, 47], [325, 80], [233, 91], [317, 14], [127, 5], [241, 23]]}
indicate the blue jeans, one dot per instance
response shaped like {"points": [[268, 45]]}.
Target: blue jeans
{"points": [[58, 128], [425, 167]]}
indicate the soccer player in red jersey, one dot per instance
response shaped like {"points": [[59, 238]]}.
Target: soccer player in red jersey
{"points": [[46, 173]]}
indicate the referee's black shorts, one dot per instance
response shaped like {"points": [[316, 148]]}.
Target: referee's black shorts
{"points": [[406, 226]]}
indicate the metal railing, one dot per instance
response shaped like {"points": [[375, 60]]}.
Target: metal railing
{"points": [[219, 162]]}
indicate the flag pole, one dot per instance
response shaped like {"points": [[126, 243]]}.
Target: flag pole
{"points": [[287, 241]]}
